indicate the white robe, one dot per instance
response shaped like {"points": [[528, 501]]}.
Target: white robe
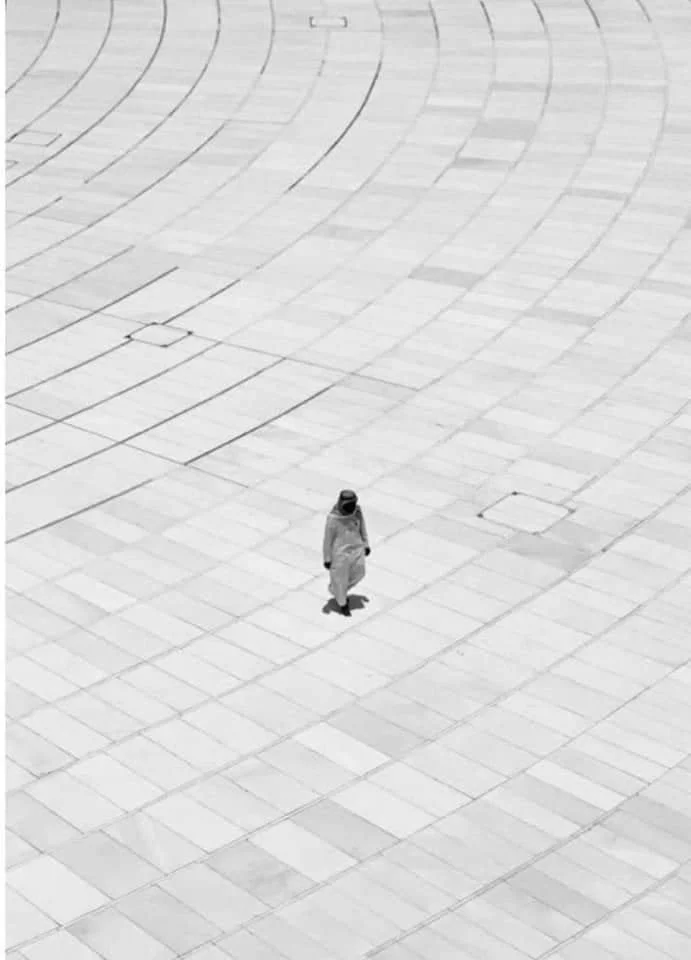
{"points": [[345, 540]]}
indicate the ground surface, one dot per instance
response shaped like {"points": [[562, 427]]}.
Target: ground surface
{"points": [[440, 255]]}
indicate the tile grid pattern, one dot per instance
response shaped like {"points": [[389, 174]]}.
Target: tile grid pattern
{"points": [[437, 252]]}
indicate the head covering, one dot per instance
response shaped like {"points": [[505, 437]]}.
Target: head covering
{"points": [[345, 498]]}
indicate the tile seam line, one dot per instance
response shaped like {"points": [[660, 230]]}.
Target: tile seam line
{"points": [[531, 376], [77, 366], [96, 123], [482, 889], [250, 91], [596, 243], [606, 548], [127, 440], [28, 216], [301, 107], [325, 718], [635, 898], [233, 283], [639, 447], [212, 344], [505, 179], [658, 260], [614, 911], [363, 104], [46, 296], [558, 845], [359, 370], [397, 405], [260, 426], [276, 668], [275, 256], [182, 313], [366, 181], [200, 146], [46, 43], [157, 126], [98, 310], [276, 361], [73, 86], [241, 105], [463, 144]]}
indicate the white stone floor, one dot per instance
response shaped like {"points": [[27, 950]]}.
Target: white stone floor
{"points": [[438, 252]]}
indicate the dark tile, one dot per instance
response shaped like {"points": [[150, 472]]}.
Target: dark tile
{"points": [[256, 871], [106, 865], [548, 550], [451, 278], [32, 752], [596, 194], [344, 830], [35, 823], [505, 128], [168, 920], [376, 732], [480, 163]]}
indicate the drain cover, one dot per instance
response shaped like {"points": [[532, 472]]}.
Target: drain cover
{"points": [[523, 512], [34, 138], [158, 335]]}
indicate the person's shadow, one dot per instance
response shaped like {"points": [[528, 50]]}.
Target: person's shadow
{"points": [[357, 602]]}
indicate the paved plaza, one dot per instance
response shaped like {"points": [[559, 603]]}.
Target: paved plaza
{"points": [[436, 252]]}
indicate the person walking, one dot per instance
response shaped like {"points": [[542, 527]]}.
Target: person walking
{"points": [[345, 547]]}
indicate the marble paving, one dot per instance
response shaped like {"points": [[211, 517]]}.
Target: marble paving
{"points": [[438, 252]]}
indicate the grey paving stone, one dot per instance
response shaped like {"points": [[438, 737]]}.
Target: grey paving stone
{"points": [[259, 873], [345, 830], [167, 919]]}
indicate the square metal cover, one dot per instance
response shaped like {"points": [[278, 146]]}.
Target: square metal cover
{"points": [[523, 512], [34, 138], [158, 335]]}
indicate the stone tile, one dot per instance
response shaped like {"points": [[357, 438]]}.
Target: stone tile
{"points": [[54, 890], [341, 748], [74, 801], [383, 808], [302, 850], [233, 801], [152, 762], [106, 865], [337, 825], [194, 822], [32, 752], [114, 936], [25, 921], [61, 944], [167, 920], [260, 874], [152, 841], [213, 896]]}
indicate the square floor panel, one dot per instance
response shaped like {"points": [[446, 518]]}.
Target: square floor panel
{"points": [[159, 335], [35, 138], [523, 512]]}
